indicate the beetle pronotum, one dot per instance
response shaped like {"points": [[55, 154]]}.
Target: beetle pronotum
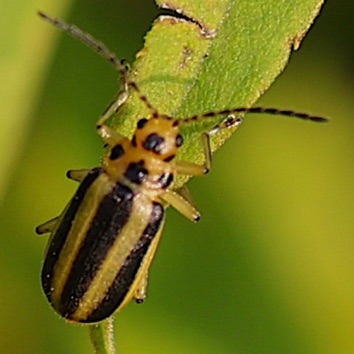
{"points": [[102, 245]]}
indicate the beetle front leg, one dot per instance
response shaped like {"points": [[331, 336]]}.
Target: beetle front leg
{"points": [[182, 202], [122, 96], [108, 134], [193, 169]]}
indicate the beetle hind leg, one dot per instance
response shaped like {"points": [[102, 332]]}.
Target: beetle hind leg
{"points": [[46, 227], [141, 291]]}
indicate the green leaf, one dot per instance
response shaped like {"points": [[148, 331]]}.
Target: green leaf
{"points": [[225, 56]]}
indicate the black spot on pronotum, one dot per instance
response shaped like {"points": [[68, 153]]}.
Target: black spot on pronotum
{"points": [[169, 158], [165, 180], [116, 152], [179, 140], [154, 143], [136, 172], [134, 141], [141, 123]]}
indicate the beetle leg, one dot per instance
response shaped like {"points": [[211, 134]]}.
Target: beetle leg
{"points": [[122, 95], [193, 169], [77, 175], [109, 135], [182, 201], [181, 204], [46, 227], [114, 106], [185, 194], [141, 291]]}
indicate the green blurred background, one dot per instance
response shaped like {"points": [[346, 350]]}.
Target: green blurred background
{"points": [[269, 268]]}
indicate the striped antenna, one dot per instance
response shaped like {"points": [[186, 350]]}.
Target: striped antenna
{"points": [[122, 67], [84, 37], [257, 110]]}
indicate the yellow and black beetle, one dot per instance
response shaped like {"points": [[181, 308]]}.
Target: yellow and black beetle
{"points": [[102, 245]]}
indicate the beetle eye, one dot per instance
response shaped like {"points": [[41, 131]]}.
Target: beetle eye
{"points": [[179, 140]]}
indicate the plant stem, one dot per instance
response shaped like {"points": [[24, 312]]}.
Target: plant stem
{"points": [[102, 337]]}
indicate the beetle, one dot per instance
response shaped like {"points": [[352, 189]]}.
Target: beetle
{"points": [[101, 246]]}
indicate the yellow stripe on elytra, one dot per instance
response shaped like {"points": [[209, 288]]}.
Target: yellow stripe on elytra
{"points": [[77, 234], [144, 268], [116, 256]]}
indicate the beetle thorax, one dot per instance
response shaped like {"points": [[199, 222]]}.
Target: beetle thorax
{"points": [[145, 162]]}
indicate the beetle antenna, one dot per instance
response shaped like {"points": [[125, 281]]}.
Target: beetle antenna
{"points": [[122, 67], [119, 65], [142, 97], [257, 110], [90, 41]]}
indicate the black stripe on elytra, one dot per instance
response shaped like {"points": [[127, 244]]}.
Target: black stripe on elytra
{"points": [[126, 276], [111, 216], [59, 238]]}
